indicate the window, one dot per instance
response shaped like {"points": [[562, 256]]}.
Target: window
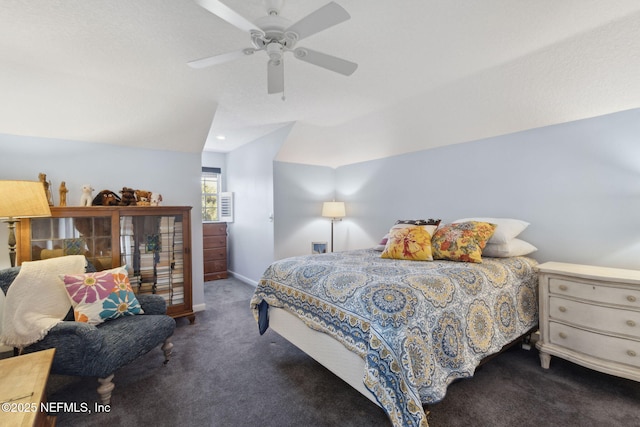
{"points": [[210, 181]]}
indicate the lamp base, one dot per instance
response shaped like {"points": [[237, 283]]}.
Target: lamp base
{"points": [[332, 221], [12, 239]]}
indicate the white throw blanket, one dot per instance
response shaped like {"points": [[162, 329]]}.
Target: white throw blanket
{"points": [[37, 300]]}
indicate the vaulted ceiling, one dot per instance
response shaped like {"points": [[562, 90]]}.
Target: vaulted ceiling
{"points": [[430, 73]]}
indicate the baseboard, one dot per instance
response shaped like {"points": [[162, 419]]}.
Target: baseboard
{"points": [[244, 279], [199, 307]]}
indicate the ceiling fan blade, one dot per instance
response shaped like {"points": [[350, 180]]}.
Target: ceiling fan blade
{"points": [[219, 59], [323, 60], [327, 16], [231, 16], [275, 77]]}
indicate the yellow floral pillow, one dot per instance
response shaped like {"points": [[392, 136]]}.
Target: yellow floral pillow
{"points": [[410, 243], [462, 241]]}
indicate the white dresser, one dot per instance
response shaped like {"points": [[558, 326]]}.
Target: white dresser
{"points": [[591, 316]]}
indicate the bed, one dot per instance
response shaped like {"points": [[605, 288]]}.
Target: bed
{"points": [[398, 331]]}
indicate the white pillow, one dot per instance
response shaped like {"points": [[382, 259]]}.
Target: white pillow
{"points": [[507, 228], [515, 247]]}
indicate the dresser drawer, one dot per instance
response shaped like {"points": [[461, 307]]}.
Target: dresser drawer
{"points": [[214, 242], [594, 292], [215, 254], [604, 347], [214, 229], [592, 316], [215, 266]]}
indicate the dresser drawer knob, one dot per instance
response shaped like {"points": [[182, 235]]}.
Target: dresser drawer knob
{"points": [[631, 323], [562, 335], [562, 308], [631, 298], [563, 287], [631, 353]]}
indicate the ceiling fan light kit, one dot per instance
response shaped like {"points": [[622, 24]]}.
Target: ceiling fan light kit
{"points": [[274, 50], [275, 35]]}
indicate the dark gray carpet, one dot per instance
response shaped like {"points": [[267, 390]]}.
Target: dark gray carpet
{"points": [[223, 373]]}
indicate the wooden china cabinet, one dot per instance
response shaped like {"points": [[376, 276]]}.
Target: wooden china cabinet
{"points": [[154, 242]]}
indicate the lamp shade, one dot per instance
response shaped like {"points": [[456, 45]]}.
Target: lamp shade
{"points": [[23, 199], [333, 209]]}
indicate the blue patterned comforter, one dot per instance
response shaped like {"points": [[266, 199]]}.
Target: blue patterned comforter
{"points": [[418, 325]]}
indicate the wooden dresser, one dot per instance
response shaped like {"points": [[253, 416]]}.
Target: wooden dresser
{"points": [[590, 316], [214, 241]]}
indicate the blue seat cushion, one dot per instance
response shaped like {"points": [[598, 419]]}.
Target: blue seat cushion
{"points": [[87, 350]]}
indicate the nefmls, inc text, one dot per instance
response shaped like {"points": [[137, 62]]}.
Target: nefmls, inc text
{"points": [[75, 407]]}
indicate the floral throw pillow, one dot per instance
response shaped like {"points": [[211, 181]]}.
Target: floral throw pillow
{"points": [[409, 243], [462, 241], [428, 224], [101, 296]]}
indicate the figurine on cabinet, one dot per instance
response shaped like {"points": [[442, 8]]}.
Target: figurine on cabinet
{"points": [[143, 197], [128, 197], [63, 194], [106, 198], [155, 199], [87, 197], [47, 187]]}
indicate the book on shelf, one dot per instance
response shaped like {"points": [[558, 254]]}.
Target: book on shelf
{"points": [[162, 288], [167, 224], [154, 255]]}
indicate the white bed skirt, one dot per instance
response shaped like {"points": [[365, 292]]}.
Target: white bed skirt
{"points": [[326, 350]]}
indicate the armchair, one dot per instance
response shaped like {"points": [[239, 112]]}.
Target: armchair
{"points": [[98, 351]]}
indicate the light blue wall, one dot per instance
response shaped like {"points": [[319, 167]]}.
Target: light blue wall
{"points": [[250, 178], [175, 175], [577, 183], [216, 160], [299, 191]]}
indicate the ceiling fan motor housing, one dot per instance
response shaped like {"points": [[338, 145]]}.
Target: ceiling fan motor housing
{"points": [[273, 27]]}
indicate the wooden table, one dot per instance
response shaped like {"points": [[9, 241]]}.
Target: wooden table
{"points": [[22, 388]]}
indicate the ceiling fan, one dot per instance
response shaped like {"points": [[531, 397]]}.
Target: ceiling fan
{"points": [[276, 35]]}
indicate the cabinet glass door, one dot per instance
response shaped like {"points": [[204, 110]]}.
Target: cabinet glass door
{"points": [[88, 236], [151, 246]]}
